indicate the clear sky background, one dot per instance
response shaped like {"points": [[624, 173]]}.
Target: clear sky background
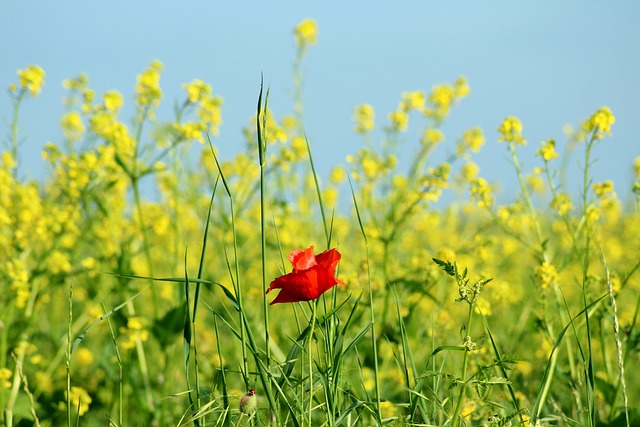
{"points": [[549, 63]]}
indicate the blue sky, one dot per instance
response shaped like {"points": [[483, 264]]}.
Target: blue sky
{"points": [[548, 63]]}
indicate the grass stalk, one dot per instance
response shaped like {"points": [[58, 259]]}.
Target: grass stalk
{"points": [[374, 342], [261, 127]]}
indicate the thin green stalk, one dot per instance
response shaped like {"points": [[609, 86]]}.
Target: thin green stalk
{"points": [[465, 365], [120, 371], [68, 358], [262, 151], [527, 198], [374, 344], [14, 131], [589, 370], [312, 323]]}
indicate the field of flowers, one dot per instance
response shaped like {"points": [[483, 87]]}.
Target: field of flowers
{"points": [[252, 291]]}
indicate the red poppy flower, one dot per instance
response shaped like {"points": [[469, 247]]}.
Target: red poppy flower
{"points": [[312, 276]]}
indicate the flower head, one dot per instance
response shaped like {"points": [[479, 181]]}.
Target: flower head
{"points": [[32, 79], [511, 130], [600, 122], [547, 150], [306, 32], [312, 276]]}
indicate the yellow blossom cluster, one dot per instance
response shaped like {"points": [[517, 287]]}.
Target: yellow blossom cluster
{"points": [[148, 90], [511, 131], [472, 140], [600, 122], [480, 191], [443, 97], [364, 116], [547, 150], [546, 274], [306, 33], [30, 79]]}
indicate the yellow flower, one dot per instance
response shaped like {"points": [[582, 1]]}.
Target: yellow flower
{"points": [[548, 150], [32, 79], [469, 171], [511, 130], [113, 100], [306, 32], [364, 117], [481, 192], [136, 323], [79, 400], [72, 126], [412, 101], [399, 120], [546, 274], [636, 167], [535, 183], [210, 112], [197, 90], [5, 376], [84, 356], [562, 204], [190, 130], [600, 122], [78, 84], [148, 90], [432, 136], [7, 160], [442, 96], [44, 381], [472, 139], [388, 409], [337, 175], [461, 87], [603, 188], [299, 147]]}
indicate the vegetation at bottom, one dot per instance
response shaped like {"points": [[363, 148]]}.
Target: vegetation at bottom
{"points": [[390, 307]]}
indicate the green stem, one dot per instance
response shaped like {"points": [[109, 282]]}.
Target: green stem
{"points": [[465, 364], [527, 199], [314, 305], [14, 131]]}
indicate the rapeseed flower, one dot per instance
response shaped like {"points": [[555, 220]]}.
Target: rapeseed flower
{"points": [[511, 131], [431, 137], [72, 126], [113, 100], [600, 122], [412, 101], [548, 150], [472, 139], [562, 204], [210, 112], [190, 130], [306, 33], [546, 274], [79, 400], [197, 90], [364, 117], [148, 90], [399, 120], [481, 192], [31, 79], [5, 376], [469, 171]]}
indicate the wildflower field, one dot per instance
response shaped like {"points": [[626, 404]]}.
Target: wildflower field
{"points": [[252, 290]]}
